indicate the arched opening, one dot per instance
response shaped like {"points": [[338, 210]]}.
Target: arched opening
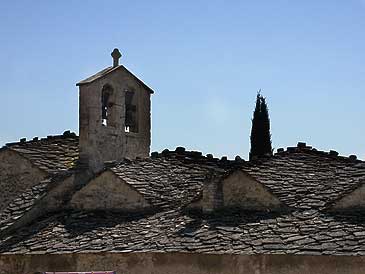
{"points": [[106, 104], [131, 111]]}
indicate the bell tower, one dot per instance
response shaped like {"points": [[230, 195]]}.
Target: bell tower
{"points": [[114, 116]]}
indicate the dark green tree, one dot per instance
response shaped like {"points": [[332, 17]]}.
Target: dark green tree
{"points": [[260, 131]]}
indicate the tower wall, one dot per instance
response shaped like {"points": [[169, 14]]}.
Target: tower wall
{"points": [[110, 141]]}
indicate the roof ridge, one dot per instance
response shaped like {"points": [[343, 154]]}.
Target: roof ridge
{"points": [[195, 156], [65, 135], [108, 70], [304, 148]]}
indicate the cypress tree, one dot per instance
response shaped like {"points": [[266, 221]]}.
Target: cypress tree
{"points": [[260, 131], [267, 147], [255, 130]]}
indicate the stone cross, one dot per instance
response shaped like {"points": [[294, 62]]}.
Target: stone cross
{"points": [[116, 55]]}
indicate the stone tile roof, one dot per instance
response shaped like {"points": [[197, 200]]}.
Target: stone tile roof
{"points": [[298, 232], [23, 203], [305, 229], [27, 201], [96, 76], [51, 154], [108, 70], [305, 178], [301, 177], [172, 179]]}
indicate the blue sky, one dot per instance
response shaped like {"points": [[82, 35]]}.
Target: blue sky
{"points": [[204, 59]]}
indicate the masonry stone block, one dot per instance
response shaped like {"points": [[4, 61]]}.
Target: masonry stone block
{"points": [[108, 192], [108, 139], [16, 175]]}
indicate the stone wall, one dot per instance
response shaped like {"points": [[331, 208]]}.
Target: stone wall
{"points": [[242, 191], [108, 192], [182, 263], [212, 195], [100, 143], [353, 200], [238, 190], [16, 175]]}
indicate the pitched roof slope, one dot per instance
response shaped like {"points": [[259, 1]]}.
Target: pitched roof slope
{"points": [[299, 232], [291, 175], [21, 204], [108, 70], [51, 154], [170, 180], [305, 178]]}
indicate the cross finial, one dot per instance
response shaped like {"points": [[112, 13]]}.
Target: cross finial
{"points": [[116, 55]]}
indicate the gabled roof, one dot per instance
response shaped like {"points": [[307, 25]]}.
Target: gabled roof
{"points": [[305, 178], [169, 181], [51, 154], [111, 193], [300, 177], [242, 191], [108, 70]]}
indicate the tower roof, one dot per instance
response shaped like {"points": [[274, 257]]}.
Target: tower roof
{"points": [[108, 70]]}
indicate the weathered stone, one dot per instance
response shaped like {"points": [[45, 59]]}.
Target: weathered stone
{"points": [[111, 194], [105, 131], [143, 207], [17, 174]]}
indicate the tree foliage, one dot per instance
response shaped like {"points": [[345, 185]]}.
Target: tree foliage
{"points": [[260, 131]]}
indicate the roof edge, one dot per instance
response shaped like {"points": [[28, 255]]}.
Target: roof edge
{"points": [[108, 70]]}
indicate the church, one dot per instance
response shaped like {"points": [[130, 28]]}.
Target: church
{"points": [[101, 201]]}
